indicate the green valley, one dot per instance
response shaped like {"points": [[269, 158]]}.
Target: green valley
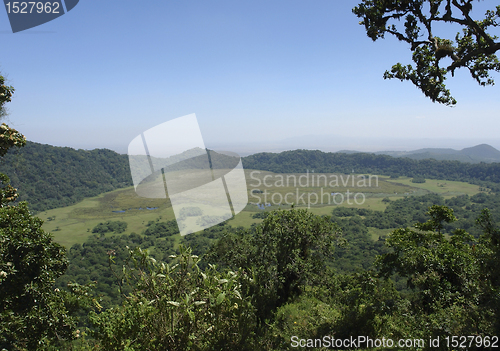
{"points": [[73, 224]]}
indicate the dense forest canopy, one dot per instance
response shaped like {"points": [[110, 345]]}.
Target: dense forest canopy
{"points": [[50, 176]]}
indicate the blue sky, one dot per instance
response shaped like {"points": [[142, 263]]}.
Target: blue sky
{"points": [[260, 75]]}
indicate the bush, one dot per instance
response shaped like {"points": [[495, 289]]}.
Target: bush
{"points": [[198, 310], [110, 226], [261, 215]]}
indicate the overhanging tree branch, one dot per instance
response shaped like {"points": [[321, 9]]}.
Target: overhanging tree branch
{"points": [[473, 49]]}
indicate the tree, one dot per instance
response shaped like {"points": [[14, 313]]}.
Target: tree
{"points": [[490, 259], [474, 49], [287, 251], [177, 306], [291, 246], [446, 274], [8, 138], [32, 312], [5, 96]]}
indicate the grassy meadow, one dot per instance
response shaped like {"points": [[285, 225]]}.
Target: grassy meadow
{"points": [[73, 224], [442, 187]]}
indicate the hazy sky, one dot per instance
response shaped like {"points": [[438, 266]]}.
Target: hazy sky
{"points": [[256, 74]]}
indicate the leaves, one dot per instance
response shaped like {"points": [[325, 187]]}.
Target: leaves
{"points": [[183, 302], [5, 95], [474, 49], [220, 298], [9, 138], [31, 262], [440, 269]]}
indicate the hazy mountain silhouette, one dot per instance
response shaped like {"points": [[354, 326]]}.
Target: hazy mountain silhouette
{"points": [[475, 154]]}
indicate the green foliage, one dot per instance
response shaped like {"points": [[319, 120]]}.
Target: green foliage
{"points": [[290, 246], [366, 303], [490, 257], [307, 316], [9, 138], [298, 161], [418, 180], [444, 273], [285, 252], [201, 242], [162, 229], [177, 307], [5, 96], [278, 275], [429, 78], [90, 262], [261, 215], [110, 226], [360, 250], [402, 212], [33, 313], [438, 214], [7, 193], [50, 177], [29, 264], [474, 48]]}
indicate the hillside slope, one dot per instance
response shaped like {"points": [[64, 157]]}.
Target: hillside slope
{"points": [[299, 161], [475, 154], [50, 177]]}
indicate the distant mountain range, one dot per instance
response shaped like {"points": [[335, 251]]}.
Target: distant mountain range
{"points": [[475, 154]]}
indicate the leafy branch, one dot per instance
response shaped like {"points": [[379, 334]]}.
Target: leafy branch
{"points": [[473, 49]]}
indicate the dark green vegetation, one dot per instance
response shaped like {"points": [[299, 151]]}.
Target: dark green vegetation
{"points": [[412, 271], [418, 23], [362, 163], [296, 274], [32, 312], [50, 177], [282, 278], [110, 226]]}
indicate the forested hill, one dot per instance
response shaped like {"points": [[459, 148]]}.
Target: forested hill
{"points": [[323, 162], [49, 176], [476, 154]]}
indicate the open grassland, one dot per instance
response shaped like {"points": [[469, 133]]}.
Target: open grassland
{"points": [[73, 224], [442, 187], [374, 204], [244, 219], [303, 189]]}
